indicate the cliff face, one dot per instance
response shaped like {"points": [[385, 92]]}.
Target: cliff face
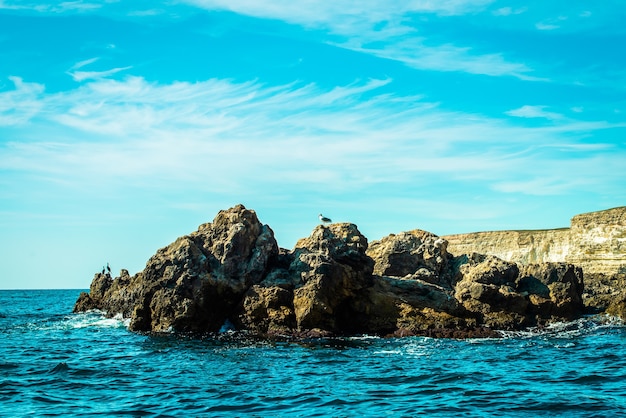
{"points": [[598, 241], [524, 247], [595, 241]]}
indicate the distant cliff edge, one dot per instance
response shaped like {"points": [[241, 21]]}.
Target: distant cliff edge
{"points": [[595, 241]]}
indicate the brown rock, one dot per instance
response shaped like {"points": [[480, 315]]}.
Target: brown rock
{"points": [[618, 306], [331, 268], [555, 290], [232, 270], [418, 253], [267, 310], [194, 283], [595, 241]]}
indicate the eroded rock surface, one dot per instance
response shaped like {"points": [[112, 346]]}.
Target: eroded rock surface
{"points": [[595, 241], [193, 283], [332, 282]]}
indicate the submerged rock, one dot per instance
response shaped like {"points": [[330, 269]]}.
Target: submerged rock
{"points": [[231, 271]]}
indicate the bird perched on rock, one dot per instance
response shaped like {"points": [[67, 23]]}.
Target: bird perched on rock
{"points": [[108, 268], [324, 219]]}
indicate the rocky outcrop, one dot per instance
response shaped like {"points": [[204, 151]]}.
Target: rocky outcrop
{"points": [[192, 284], [595, 241], [232, 272], [312, 286]]}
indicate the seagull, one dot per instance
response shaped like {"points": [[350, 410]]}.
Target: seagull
{"points": [[324, 219]]}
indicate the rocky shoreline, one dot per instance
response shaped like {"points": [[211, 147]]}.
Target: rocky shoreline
{"points": [[231, 273]]}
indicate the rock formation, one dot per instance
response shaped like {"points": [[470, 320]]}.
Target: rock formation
{"points": [[595, 241], [192, 284], [231, 271]]}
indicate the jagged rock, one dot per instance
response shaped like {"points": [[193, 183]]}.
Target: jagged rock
{"points": [[506, 297], [332, 268], [418, 253], [409, 304], [311, 287], [194, 283], [617, 307], [232, 271], [267, 310], [487, 289], [554, 290], [602, 289], [595, 241]]}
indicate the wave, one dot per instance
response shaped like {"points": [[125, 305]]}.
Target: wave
{"points": [[571, 329], [97, 319], [91, 319]]}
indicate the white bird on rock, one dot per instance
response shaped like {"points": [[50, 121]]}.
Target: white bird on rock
{"points": [[324, 219]]}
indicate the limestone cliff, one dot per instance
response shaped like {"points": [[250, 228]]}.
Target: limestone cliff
{"points": [[524, 247], [598, 241], [595, 241]]}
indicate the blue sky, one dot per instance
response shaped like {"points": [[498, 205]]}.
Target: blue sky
{"points": [[125, 124]]}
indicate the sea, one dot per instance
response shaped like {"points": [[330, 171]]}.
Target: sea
{"points": [[56, 363]]}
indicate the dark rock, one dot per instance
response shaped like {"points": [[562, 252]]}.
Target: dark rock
{"points": [[417, 253], [617, 307], [554, 290], [602, 289], [330, 268], [194, 283], [332, 283]]}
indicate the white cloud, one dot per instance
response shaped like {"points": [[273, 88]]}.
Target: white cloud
{"points": [[528, 111], [551, 24], [362, 23], [414, 53], [84, 63], [537, 186], [92, 75], [546, 26], [246, 138], [41, 7], [21, 104], [508, 11], [330, 14]]}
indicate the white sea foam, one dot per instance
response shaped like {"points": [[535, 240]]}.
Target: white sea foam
{"points": [[570, 329], [95, 319]]}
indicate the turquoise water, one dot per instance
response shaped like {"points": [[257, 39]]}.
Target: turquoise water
{"points": [[54, 363]]}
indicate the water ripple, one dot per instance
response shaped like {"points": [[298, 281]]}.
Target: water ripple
{"points": [[57, 364]]}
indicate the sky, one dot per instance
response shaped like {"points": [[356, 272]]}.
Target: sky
{"points": [[126, 124]]}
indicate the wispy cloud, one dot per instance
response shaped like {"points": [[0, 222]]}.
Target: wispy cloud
{"points": [[551, 24], [508, 11], [43, 7], [528, 111], [361, 25], [343, 139], [84, 63], [414, 53], [92, 75], [22, 103], [315, 13]]}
